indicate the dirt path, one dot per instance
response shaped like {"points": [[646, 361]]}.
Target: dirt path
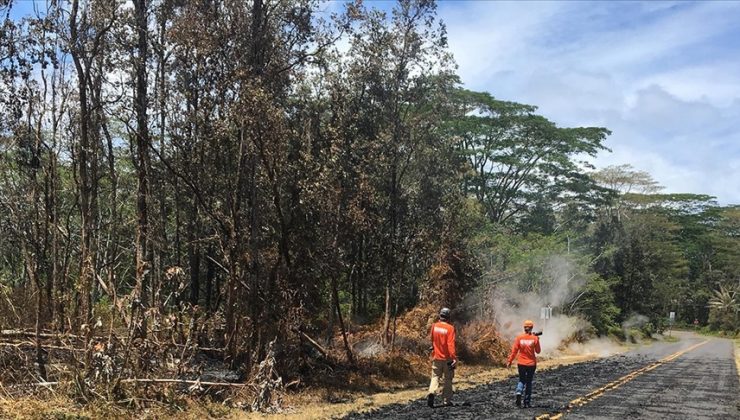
{"points": [[693, 378]]}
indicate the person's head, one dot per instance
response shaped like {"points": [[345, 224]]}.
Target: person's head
{"points": [[528, 325], [444, 314]]}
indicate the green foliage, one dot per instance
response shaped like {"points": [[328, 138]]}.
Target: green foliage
{"points": [[520, 162], [597, 303], [618, 332], [518, 259], [724, 313], [648, 329]]}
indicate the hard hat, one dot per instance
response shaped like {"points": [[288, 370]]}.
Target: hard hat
{"points": [[528, 324], [444, 313]]}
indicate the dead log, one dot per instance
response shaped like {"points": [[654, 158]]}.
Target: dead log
{"points": [[45, 347], [312, 342], [182, 381], [152, 381], [32, 334]]}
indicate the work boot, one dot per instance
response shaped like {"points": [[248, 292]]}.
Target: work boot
{"points": [[518, 400], [448, 404], [527, 404], [430, 400]]}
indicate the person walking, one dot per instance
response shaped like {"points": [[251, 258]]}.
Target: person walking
{"points": [[444, 358], [527, 346]]}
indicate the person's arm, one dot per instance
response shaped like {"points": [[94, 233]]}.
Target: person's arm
{"points": [[431, 340], [537, 346], [514, 351], [451, 345]]}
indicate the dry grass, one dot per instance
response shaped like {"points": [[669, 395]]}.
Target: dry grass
{"points": [[327, 391], [59, 407], [361, 392]]}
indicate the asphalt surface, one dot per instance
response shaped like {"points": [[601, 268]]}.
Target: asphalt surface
{"points": [[694, 378]]}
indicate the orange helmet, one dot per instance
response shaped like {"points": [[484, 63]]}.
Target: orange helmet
{"points": [[528, 324]]}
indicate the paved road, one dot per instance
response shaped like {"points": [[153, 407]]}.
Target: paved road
{"points": [[694, 378]]}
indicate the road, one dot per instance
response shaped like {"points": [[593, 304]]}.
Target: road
{"points": [[694, 378]]}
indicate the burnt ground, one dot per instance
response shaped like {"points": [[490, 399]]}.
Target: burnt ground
{"points": [[701, 383]]}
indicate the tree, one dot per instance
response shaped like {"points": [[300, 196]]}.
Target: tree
{"points": [[89, 25], [725, 306], [518, 158], [142, 141]]}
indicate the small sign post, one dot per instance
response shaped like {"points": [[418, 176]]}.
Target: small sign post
{"points": [[671, 320], [546, 313]]}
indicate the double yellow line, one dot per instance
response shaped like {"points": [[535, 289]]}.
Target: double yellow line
{"points": [[581, 401]]}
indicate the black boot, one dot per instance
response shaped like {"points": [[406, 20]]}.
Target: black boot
{"points": [[518, 400], [430, 400]]}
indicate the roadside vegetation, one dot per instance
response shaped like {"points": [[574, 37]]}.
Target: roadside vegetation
{"points": [[217, 206]]}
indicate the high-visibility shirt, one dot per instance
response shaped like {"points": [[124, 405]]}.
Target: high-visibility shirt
{"points": [[443, 341], [527, 345]]}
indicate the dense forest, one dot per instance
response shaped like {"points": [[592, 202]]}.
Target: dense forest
{"points": [[249, 178]]}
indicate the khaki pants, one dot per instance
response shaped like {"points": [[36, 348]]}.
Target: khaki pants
{"points": [[441, 370]]}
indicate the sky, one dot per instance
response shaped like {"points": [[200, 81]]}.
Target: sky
{"points": [[664, 77]]}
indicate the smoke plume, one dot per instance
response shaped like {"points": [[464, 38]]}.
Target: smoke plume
{"points": [[560, 282]]}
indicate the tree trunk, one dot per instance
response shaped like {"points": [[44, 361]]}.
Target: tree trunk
{"points": [[210, 273], [391, 256], [194, 259], [143, 163], [84, 182], [347, 348]]}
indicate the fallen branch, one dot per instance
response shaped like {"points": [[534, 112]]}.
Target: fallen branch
{"points": [[313, 342], [152, 381], [44, 346], [183, 381], [46, 384], [32, 334]]}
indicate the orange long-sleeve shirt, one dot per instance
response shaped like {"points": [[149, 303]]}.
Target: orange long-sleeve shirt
{"points": [[443, 341], [527, 345]]}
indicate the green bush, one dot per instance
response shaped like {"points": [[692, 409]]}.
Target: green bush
{"points": [[617, 332], [647, 330], [597, 305], [634, 335]]}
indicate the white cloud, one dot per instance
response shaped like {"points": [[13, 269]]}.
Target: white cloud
{"points": [[664, 77]]}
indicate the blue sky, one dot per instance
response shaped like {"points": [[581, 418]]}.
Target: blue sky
{"points": [[663, 76]]}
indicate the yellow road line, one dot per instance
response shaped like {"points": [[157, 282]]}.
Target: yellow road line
{"points": [[581, 401]]}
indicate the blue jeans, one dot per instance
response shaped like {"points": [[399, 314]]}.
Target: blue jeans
{"points": [[526, 375]]}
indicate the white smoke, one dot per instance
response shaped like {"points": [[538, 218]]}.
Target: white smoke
{"points": [[559, 284], [635, 321], [600, 347]]}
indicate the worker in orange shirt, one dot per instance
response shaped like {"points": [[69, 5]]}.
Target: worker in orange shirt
{"points": [[444, 358], [527, 345]]}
